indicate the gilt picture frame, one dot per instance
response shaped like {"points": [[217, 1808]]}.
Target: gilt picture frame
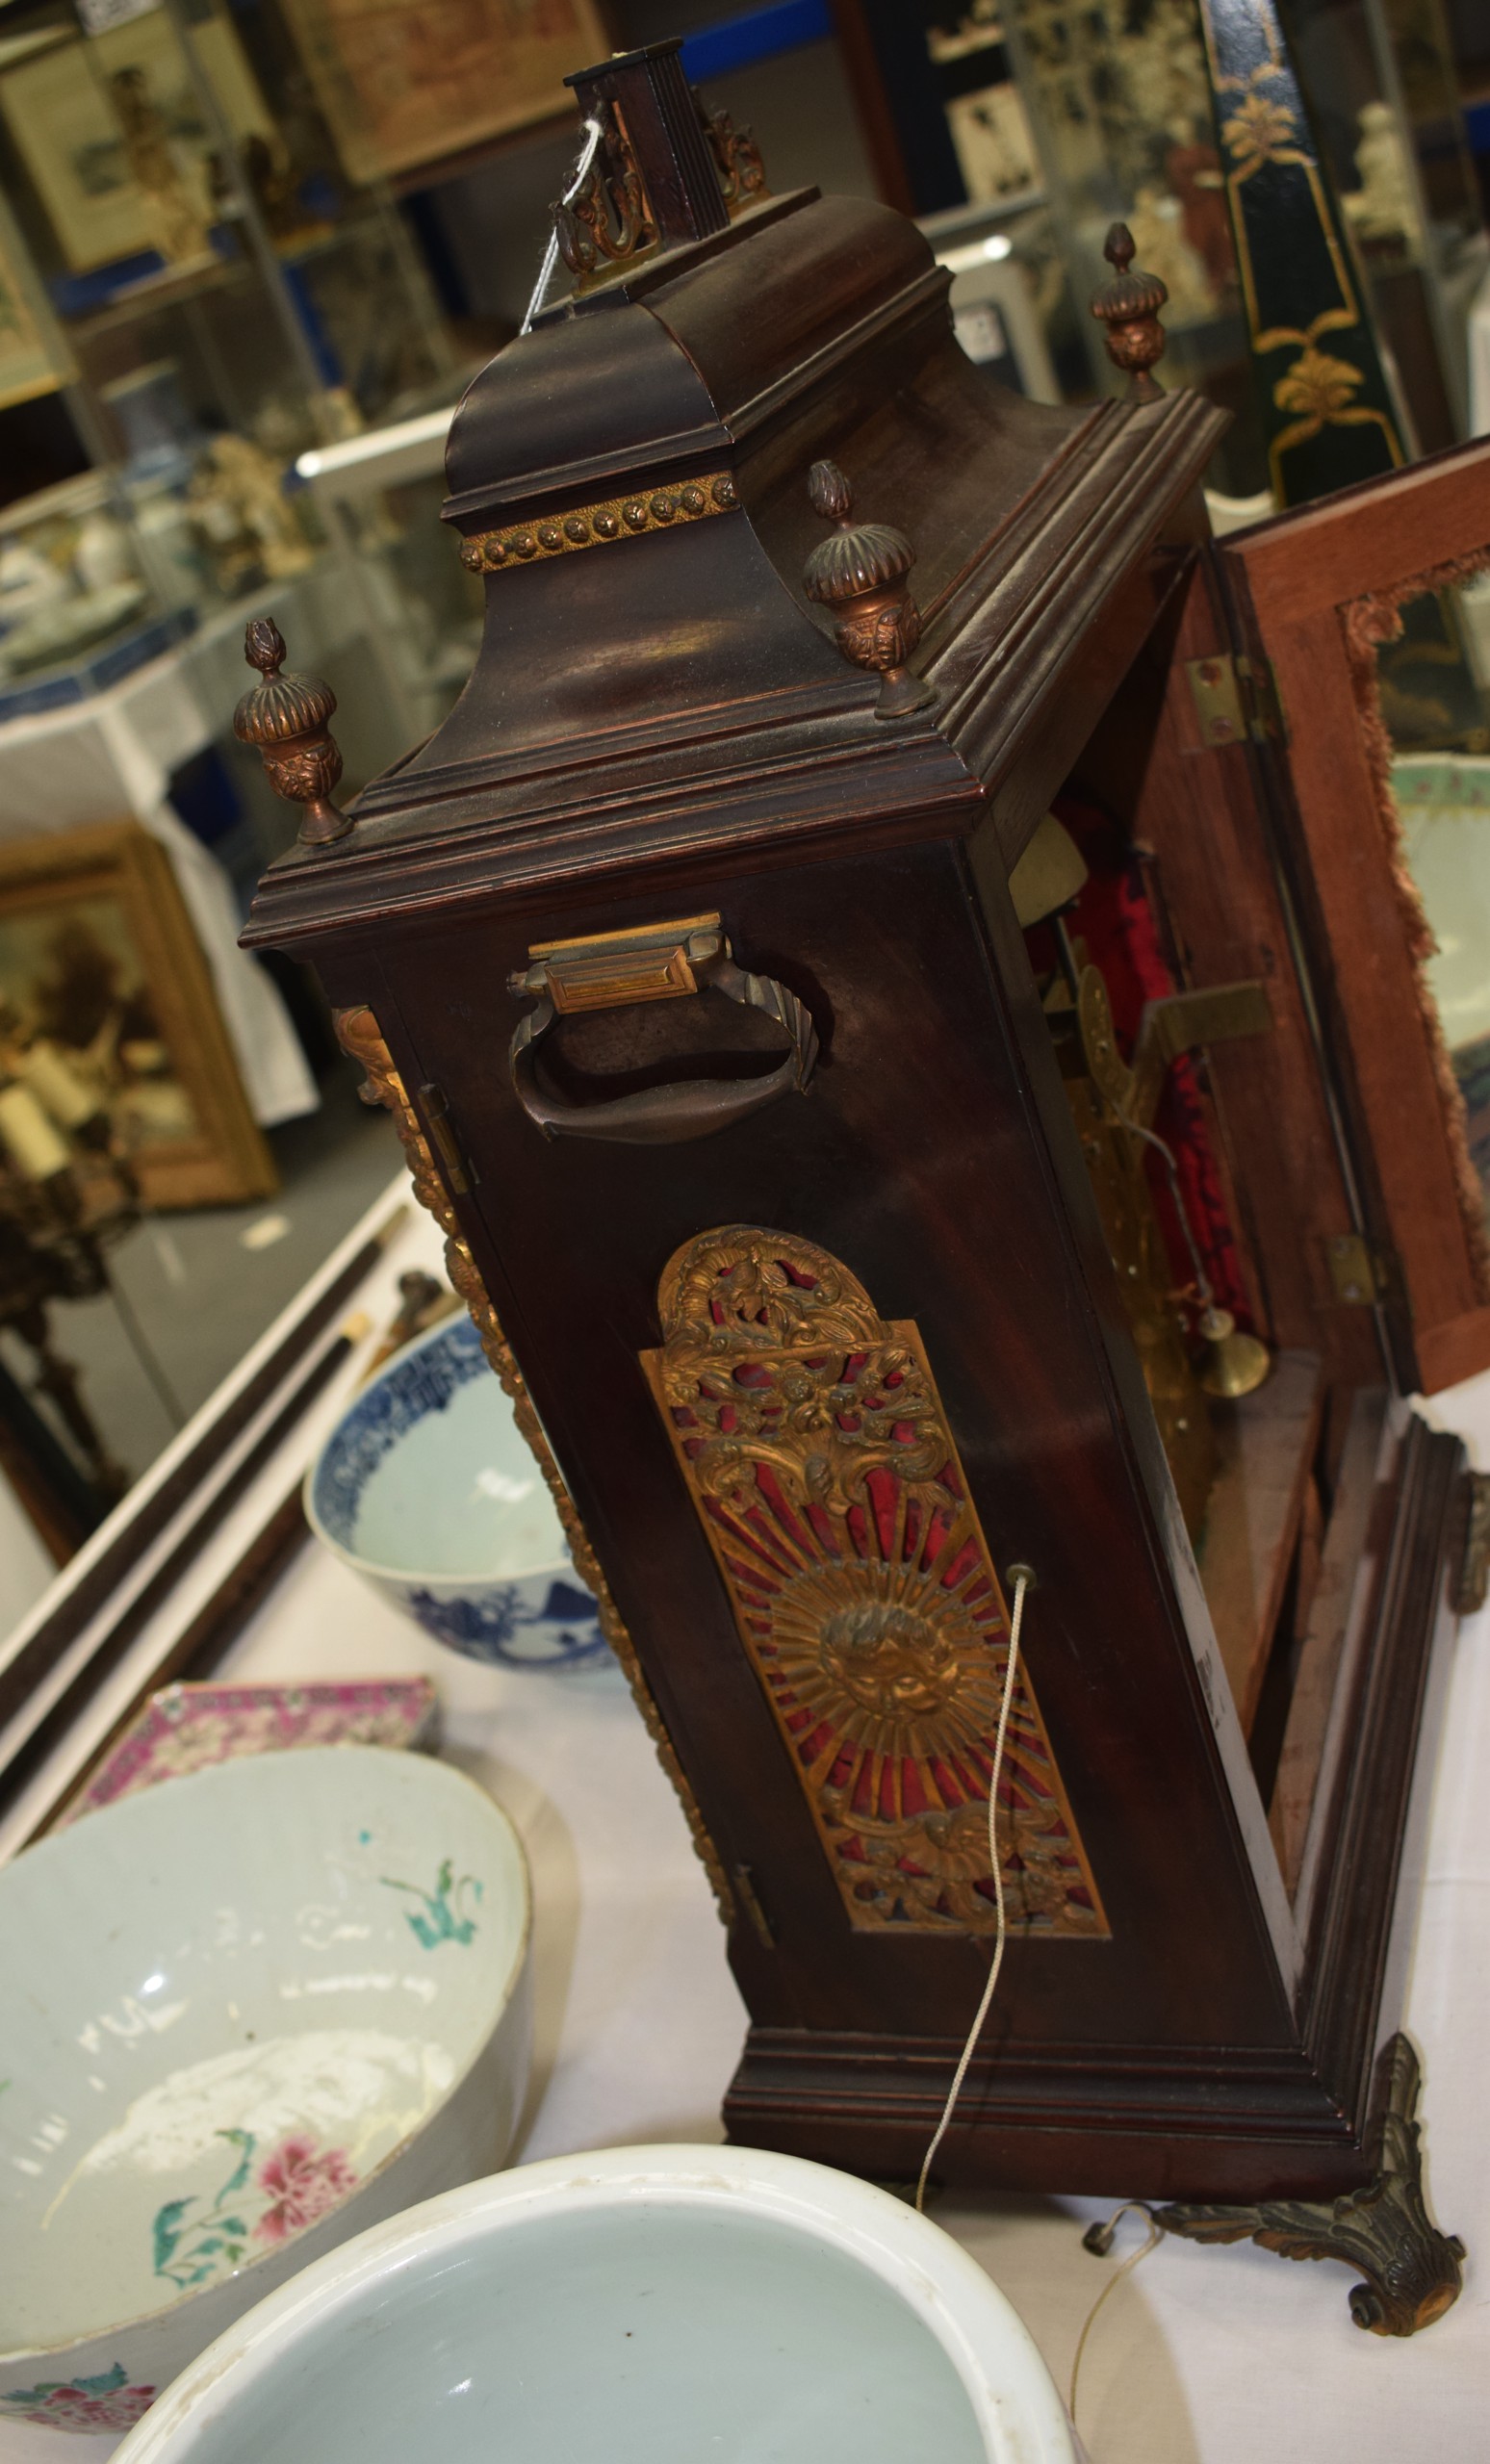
{"points": [[101, 970]]}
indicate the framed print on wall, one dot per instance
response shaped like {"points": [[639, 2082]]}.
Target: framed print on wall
{"points": [[101, 968], [75, 144], [403, 81]]}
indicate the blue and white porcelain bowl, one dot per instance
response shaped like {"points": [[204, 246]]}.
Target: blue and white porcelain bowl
{"points": [[429, 1489]]}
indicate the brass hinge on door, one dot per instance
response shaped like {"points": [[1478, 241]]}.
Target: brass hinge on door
{"points": [[1235, 698], [1360, 1275], [442, 1139], [750, 1901]]}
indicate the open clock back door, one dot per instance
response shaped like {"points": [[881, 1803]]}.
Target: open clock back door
{"points": [[1365, 621]]}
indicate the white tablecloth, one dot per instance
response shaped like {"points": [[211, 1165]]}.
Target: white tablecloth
{"points": [[1224, 2357]]}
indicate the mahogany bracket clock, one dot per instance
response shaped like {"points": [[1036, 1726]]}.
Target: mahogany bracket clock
{"points": [[896, 978]]}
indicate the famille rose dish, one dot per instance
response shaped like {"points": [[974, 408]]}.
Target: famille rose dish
{"points": [[185, 1728], [244, 2017], [429, 1489], [647, 2305]]}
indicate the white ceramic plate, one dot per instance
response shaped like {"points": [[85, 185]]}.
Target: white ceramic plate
{"points": [[244, 2014], [644, 2305]]}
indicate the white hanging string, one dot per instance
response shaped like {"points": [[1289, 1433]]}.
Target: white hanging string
{"points": [[1098, 2239], [593, 133], [1024, 1577]]}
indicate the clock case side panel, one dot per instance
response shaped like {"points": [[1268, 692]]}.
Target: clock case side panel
{"points": [[1053, 1475]]}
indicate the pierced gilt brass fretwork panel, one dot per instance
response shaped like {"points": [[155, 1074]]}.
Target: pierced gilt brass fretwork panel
{"points": [[815, 1448]]}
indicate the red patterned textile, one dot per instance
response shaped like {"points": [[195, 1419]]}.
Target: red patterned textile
{"points": [[1114, 917]]}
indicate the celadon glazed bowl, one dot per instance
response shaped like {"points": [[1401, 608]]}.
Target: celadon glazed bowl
{"points": [[642, 2305], [243, 2015], [427, 1489]]}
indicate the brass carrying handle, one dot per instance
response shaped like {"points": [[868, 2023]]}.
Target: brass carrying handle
{"points": [[659, 962]]}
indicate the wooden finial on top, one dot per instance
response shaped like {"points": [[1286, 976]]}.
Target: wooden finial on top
{"points": [[286, 717], [1129, 308]]}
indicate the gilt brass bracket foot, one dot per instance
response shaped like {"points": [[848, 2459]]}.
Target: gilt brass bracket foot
{"points": [[1412, 2271]]}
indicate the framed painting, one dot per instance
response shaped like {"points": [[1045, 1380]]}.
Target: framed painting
{"points": [[100, 972], [403, 81], [62, 112]]}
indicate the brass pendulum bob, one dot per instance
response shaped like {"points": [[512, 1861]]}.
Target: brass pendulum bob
{"points": [[1237, 1363]]}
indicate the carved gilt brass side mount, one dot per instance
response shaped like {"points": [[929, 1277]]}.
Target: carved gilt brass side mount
{"points": [[860, 573], [816, 1450], [1129, 308], [286, 717]]}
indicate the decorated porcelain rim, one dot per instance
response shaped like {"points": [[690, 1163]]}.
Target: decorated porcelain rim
{"points": [[126, 1809], [455, 1585], [947, 2291]]}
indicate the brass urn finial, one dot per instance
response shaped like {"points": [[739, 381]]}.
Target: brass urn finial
{"points": [[860, 573], [286, 717], [1129, 308]]}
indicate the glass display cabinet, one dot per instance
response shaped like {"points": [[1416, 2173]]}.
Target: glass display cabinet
{"points": [[896, 977], [1120, 106], [213, 290], [1382, 82], [378, 494], [1124, 120]]}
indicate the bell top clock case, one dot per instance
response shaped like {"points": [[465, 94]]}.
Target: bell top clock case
{"points": [[879, 1054]]}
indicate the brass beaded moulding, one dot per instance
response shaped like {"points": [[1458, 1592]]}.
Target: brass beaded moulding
{"points": [[597, 525]]}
